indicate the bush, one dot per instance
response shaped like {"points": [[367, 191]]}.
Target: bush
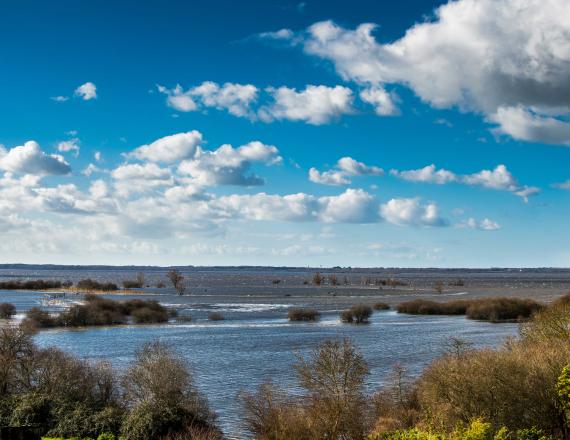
{"points": [[299, 314], [7, 310], [487, 309], [502, 309], [92, 285], [100, 311], [357, 314], [216, 316], [30, 285], [381, 306], [332, 405], [132, 284]]}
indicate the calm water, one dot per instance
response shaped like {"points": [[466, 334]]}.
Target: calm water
{"points": [[256, 343]]}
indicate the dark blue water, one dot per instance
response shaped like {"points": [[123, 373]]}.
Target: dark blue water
{"points": [[256, 343]]}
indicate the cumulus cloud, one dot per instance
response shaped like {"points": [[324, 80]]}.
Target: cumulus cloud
{"points": [[383, 102], [133, 178], [315, 105], [30, 159], [235, 98], [86, 91], [345, 167], [169, 149], [483, 225], [499, 178], [229, 166], [428, 174], [507, 60], [71, 145], [410, 212]]}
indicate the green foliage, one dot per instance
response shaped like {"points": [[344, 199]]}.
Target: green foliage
{"points": [[563, 388], [532, 434]]}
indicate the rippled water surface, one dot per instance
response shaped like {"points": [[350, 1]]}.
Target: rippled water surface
{"points": [[256, 343]]}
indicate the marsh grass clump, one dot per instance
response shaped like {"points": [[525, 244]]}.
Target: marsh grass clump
{"points": [[357, 314], [7, 310], [381, 306], [31, 285], [486, 309], [300, 314], [503, 309], [216, 316], [100, 311], [92, 285], [425, 307]]}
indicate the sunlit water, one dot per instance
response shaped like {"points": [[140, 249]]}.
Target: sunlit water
{"points": [[255, 343]]}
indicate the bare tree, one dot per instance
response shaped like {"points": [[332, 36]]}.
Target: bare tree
{"points": [[177, 280], [438, 286], [140, 279]]}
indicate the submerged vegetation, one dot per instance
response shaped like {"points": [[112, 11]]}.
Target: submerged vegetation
{"points": [[357, 314], [487, 309], [300, 314], [99, 311]]}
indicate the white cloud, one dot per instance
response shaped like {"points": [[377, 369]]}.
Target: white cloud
{"points": [[500, 178], [228, 165], [382, 101], [483, 225], [315, 105], [410, 212], [60, 98], [169, 149], [562, 185], [428, 174], [352, 206], [345, 167], [331, 177], [281, 34], [503, 59], [86, 91], [140, 178], [71, 145], [526, 125], [30, 159], [235, 98], [98, 156]]}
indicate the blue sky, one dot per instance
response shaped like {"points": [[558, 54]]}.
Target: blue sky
{"points": [[329, 133]]}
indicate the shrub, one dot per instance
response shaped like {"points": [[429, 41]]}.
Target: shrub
{"points": [[357, 314], [92, 285], [487, 309], [216, 316], [332, 406], [161, 396], [132, 284], [100, 311], [30, 285], [147, 315], [502, 309], [7, 310], [299, 314], [381, 306], [318, 279]]}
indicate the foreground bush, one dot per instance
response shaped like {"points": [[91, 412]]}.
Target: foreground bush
{"points": [[64, 397], [358, 314], [100, 311], [299, 314], [331, 407], [7, 310], [487, 309]]}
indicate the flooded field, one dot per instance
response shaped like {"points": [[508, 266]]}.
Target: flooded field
{"points": [[256, 343]]}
